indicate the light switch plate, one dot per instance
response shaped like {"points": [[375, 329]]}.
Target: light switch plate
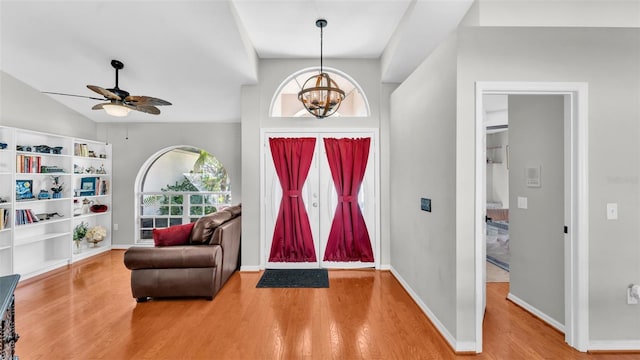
{"points": [[522, 202], [612, 211]]}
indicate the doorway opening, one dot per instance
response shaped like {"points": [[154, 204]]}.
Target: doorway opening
{"points": [[575, 200], [498, 252]]}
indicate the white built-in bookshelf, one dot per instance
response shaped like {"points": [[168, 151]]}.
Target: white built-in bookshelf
{"points": [[36, 225]]}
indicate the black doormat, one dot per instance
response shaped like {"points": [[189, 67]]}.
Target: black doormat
{"points": [[294, 278]]}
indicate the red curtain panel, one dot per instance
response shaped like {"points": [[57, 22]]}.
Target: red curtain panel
{"points": [[292, 238], [348, 239]]}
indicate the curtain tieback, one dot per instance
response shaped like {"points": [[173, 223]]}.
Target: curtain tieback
{"points": [[349, 198], [293, 193]]}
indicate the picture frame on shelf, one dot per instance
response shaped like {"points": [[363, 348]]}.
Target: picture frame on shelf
{"points": [[24, 189], [88, 186]]}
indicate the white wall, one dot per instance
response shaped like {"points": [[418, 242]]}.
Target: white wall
{"points": [[609, 61], [144, 140], [24, 107], [423, 246], [256, 100]]}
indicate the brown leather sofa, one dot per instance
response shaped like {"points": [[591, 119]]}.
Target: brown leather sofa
{"points": [[198, 269]]}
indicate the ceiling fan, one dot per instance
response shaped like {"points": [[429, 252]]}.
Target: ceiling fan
{"points": [[119, 101]]}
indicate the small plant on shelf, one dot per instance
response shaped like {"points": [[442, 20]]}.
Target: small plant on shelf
{"points": [[79, 233], [56, 187]]}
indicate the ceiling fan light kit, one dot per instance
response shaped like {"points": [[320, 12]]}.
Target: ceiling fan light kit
{"points": [[321, 95], [116, 110]]}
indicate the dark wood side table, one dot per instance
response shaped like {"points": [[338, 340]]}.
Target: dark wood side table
{"points": [[7, 317]]}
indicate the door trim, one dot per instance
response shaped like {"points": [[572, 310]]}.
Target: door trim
{"points": [[375, 157], [576, 262]]}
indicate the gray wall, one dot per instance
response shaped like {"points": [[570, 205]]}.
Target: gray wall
{"points": [[24, 107], [144, 140], [609, 61], [423, 140], [536, 239]]}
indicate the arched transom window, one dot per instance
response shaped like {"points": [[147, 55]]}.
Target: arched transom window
{"points": [[285, 101]]}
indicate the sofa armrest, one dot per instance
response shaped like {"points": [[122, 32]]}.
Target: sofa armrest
{"points": [[228, 235], [187, 256]]}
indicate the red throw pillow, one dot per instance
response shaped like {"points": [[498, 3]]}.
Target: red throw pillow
{"points": [[174, 235]]}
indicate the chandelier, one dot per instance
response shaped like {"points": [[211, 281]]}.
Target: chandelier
{"points": [[320, 94]]}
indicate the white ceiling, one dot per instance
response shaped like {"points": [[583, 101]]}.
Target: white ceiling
{"points": [[198, 54]]}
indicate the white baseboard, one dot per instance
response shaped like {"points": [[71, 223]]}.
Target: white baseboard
{"points": [[385, 267], [250, 268], [535, 311], [614, 345], [458, 346], [121, 246]]}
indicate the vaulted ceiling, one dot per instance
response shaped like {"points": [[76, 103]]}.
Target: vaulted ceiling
{"points": [[198, 54]]}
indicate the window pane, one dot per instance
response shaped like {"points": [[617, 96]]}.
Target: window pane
{"points": [[146, 223], [150, 210], [209, 209], [161, 222], [176, 199], [151, 200], [146, 234], [176, 210], [196, 199], [195, 210], [175, 221]]}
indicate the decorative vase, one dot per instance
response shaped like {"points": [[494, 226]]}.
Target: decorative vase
{"points": [[57, 195], [95, 241], [76, 250]]}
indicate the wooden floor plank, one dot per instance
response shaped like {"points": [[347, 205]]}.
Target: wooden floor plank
{"points": [[86, 312]]}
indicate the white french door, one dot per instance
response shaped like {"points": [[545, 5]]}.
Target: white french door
{"points": [[320, 199]]}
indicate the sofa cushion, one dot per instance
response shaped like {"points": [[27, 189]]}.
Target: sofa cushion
{"points": [[172, 236], [206, 225]]}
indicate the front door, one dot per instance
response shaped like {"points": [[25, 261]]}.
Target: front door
{"points": [[348, 240]]}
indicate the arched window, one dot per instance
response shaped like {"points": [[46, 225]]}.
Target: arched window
{"points": [[176, 186], [285, 101]]}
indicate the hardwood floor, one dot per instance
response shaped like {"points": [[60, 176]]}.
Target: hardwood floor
{"points": [[86, 312]]}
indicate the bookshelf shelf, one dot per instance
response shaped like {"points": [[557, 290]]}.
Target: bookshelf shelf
{"points": [[35, 239]]}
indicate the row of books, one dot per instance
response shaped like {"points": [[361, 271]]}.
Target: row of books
{"points": [[28, 164], [25, 216], [81, 150], [4, 218]]}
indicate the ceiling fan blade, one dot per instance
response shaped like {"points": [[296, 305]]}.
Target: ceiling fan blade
{"points": [[99, 106], [149, 109], [104, 92], [80, 96], [145, 101]]}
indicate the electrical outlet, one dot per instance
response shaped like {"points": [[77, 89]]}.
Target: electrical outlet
{"points": [[631, 299], [115, 227]]}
